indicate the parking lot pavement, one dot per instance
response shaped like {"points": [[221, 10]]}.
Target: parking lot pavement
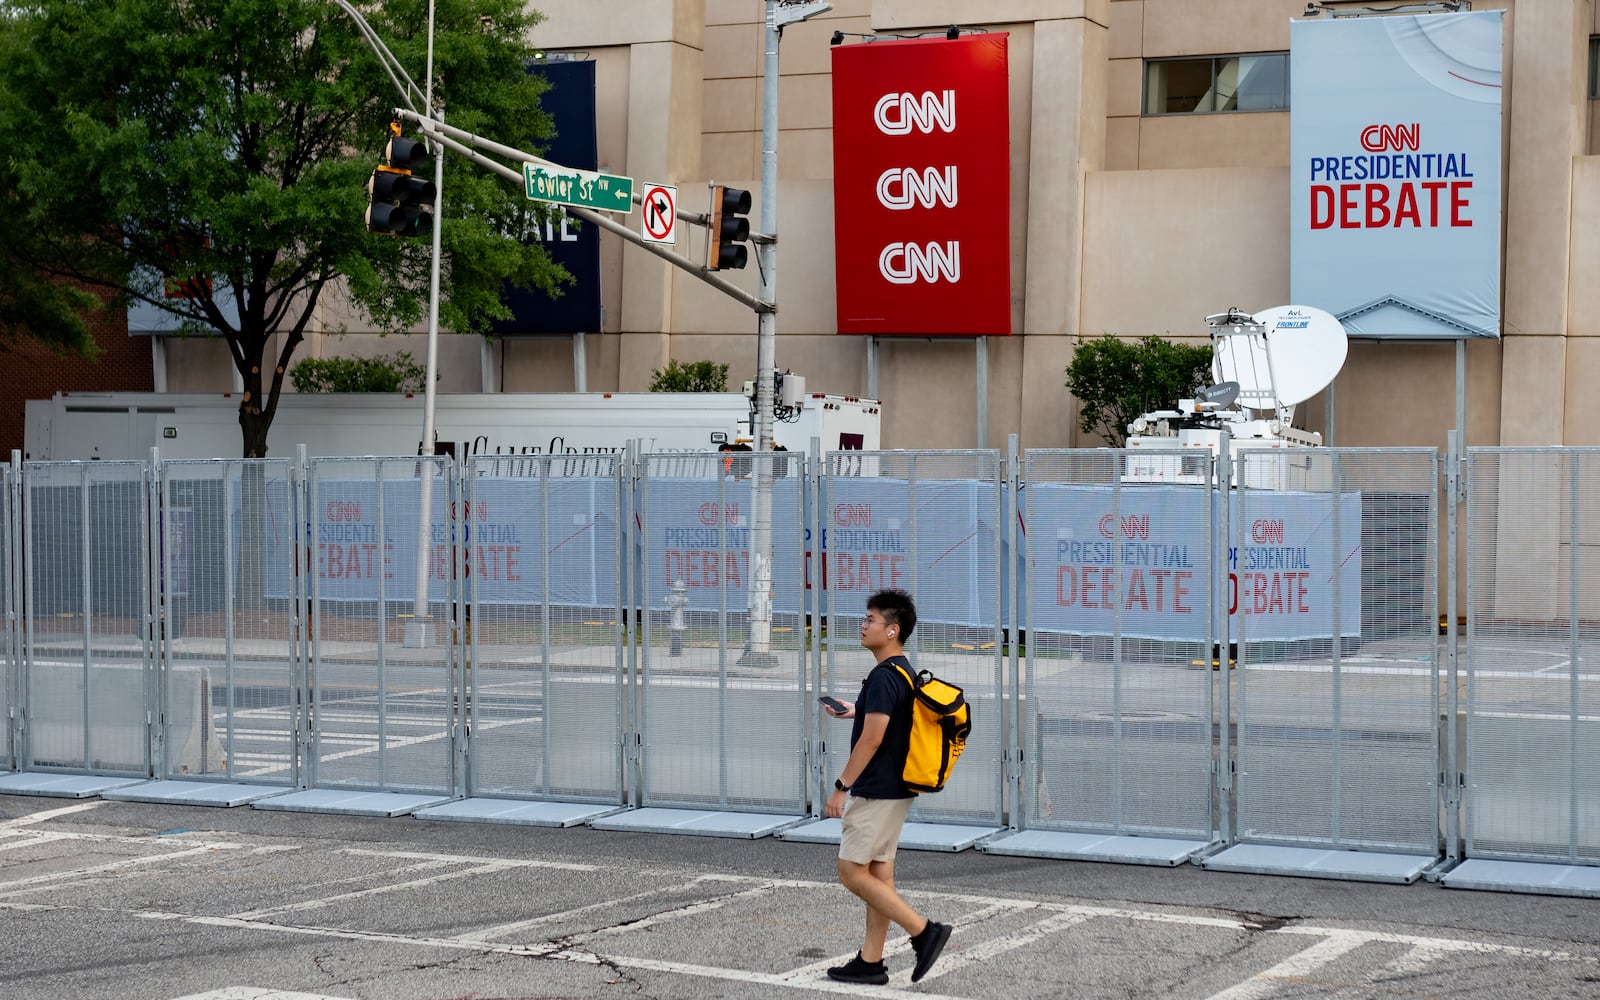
{"points": [[127, 900]]}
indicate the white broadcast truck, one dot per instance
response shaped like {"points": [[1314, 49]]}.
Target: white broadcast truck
{"points": [[126, 425], [1262, 366]]}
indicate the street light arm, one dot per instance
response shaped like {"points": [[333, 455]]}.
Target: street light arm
{"points": [[397, 73], [434, 131]]}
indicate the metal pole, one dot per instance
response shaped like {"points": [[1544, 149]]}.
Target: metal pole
{"points": [[417, 631], [983, 392], [759, 652]]}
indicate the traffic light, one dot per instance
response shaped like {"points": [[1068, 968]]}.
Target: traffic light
{"points": [[729, 229], [401, 204]]}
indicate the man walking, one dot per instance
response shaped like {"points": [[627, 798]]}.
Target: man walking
{"points": [[873, 800]]}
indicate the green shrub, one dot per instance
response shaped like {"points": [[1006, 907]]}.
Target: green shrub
{"points": [[382, 373], [696, 376], [1116, 380]]}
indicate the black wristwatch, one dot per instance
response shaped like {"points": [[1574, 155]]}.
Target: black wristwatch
{"points": [[840, 785]]}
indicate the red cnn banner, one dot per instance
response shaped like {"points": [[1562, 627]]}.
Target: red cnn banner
{"points": [[922, 186]]}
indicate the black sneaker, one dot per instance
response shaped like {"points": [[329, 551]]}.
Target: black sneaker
{"points": [[928, 945], [859, 971]]}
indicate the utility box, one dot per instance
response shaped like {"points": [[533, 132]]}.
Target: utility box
{"points": [[843, 423]]}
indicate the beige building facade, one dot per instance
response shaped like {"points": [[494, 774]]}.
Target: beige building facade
{"points": [[1121, 221]]}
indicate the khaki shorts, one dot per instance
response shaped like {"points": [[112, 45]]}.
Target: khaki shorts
{"points": [[871, 829]]}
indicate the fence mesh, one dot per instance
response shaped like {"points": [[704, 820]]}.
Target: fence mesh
{"points": [[232, 685], [1532, 710], [87, 532], [382, 678], [928, 523], [546, 682], [1118, 713], [1334, 580], [723, 706]]}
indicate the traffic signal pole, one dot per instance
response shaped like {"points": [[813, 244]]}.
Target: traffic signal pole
{"points": [[418, 632], [759, 652], [779, 13]]}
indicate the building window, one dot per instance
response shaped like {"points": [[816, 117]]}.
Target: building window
{"points": [[1594, 68], [1219, 83]]}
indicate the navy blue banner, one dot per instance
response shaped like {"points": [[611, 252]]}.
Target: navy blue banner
{"points": [[570, 101]]}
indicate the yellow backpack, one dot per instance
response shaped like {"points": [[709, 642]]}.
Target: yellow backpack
{"points": [[940, 723]]}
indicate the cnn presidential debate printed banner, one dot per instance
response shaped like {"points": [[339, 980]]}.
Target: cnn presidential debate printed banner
{"points": [[1395, 173], [922, 186]]}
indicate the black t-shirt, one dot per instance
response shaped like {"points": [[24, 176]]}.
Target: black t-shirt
{"points": [[885, 691]]}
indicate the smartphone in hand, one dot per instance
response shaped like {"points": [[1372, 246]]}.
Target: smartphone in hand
{"points": [[835, 704]]}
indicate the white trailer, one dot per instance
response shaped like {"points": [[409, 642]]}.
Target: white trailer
{"points": [[109, 426]]}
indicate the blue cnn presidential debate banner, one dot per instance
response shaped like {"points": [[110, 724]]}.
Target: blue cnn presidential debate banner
{"points": [[1395, 173]]}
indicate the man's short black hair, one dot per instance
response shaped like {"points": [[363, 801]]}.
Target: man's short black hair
{"points": [[897, 608]]}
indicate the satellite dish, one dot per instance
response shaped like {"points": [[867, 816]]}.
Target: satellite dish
{"points": [[1219, 395], [1285, 354]]}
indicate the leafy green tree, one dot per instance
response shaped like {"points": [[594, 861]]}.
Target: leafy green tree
{"points": [[210, 158], [1115, 380], [380, 373], [696, 376]]}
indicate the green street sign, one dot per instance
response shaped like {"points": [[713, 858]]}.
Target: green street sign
{"points": [[583, 188]]}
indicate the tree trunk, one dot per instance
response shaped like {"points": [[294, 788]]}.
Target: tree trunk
{"points": [[252, 511]]}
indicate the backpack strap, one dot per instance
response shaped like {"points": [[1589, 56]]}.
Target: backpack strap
{"points": [[907, 675]]}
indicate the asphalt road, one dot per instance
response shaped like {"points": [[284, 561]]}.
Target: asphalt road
{"points": [[126, 901]]}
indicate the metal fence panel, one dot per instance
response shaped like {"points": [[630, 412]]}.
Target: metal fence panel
{"points": [[1118, 707], [546, 683], [1532, 715], [382, 681], [232, 676], [1338, 738], [930, 523], [86, 549], [10, 649], [724, 701]]}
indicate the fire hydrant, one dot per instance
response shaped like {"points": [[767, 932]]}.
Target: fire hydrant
{"points": [[677, 601]]}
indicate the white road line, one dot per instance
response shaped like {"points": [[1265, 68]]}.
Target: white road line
{"points": [[28, 841], [257, 993], [955, 961], [45, 815], [741, 976], [316, 904], [678, 913], [11, 887], [895, 947], [516, 927], [1414, 960], [474, 859], [1296, 966], [117, 838], [1443, 944]]}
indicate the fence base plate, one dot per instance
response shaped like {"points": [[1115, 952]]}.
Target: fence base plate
{"points": [[61, 786], [1524, 876], [194, 793], [914, 837], [1320, 862], [700, 823], [1166, 851], [517, 812], [349, 803]]}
